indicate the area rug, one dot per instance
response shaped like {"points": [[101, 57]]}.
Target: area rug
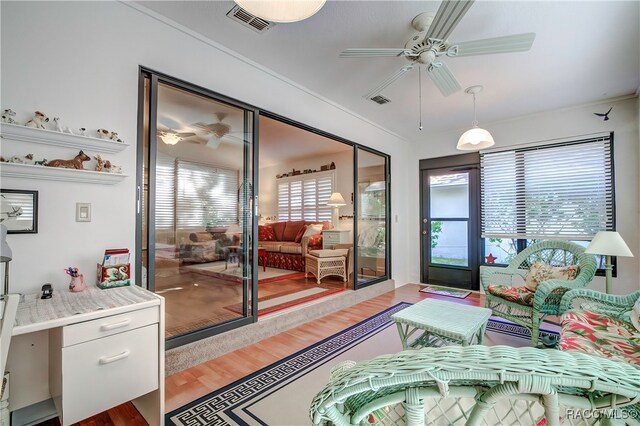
{"points": [[286, 299], [280, 394], [220, 270], [445, 291]]}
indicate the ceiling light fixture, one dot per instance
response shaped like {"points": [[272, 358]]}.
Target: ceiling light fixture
{"points": [[170, 138], [475, 138], [281, 10]]}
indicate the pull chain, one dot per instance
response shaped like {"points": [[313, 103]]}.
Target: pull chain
{"points": [[420, 94], [475, 120]]}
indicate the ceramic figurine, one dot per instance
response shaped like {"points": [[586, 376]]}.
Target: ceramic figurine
{"points": [[99, 164], [82, 131], [16, 160], [112, 168], [7, 116], [58, 124], [37, 121], [29, 157], [75, 163], [114, 137], [103, 134], [332, 166], [41, 163]]}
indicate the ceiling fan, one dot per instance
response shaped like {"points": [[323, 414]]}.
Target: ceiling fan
{"points": [[216, 130], [171, 137], [430, 44]]}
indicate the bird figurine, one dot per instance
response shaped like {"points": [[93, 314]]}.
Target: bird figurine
{"points": [[605, 115]]}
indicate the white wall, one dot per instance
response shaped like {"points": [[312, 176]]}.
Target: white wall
{"points": [[344, 180], [550, 125], [79, 61]]}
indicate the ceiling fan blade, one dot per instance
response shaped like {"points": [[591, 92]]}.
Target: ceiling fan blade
{"points": [[375, 52], [505, 44], [186, 134], [443, 78], [447, 17], [387, 81]]}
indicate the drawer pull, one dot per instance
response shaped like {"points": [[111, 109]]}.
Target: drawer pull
{"points": [[115, 325], [110, 359]]}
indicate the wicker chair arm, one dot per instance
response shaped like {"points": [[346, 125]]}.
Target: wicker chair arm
{"points": [[409, 377], [599, 301], [487, 272], [549, 293]]}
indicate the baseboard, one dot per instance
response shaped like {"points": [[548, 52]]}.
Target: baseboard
{"points": [[192, 354]]}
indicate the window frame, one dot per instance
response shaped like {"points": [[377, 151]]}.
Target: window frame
{"points": [[317, 205]]}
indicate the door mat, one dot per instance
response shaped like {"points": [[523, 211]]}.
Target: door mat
{"points": [[445, 291]]}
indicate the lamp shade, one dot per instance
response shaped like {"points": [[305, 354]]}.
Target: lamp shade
{"points": [[281, 10], [5, 251], [336, 200], [475, 139], [608, 243]]}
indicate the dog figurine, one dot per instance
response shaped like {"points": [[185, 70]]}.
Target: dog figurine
{"points": [[37, 121], [41, 163], [114, 137], [7, 116], [82, 131], [112, 168], [103, 134], [75, 163], [100, 163], [16, 160], [58, 124]]}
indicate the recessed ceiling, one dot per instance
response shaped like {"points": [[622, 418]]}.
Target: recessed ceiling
{"points": [[584, 51]]}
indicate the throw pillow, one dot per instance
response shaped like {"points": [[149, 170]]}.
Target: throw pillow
{"points": [[540, 272], [300, 234], [265, 233], [635, 315], [313, 230]]}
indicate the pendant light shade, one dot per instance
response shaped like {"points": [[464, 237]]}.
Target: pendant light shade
{"points": [[170, 138], [475, 138], [283, 11]]}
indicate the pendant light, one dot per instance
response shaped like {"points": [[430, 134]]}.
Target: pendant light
{"points": [[282, 11], [475, 138]]}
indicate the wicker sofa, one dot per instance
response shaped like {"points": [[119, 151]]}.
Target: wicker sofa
{"points": [[207, 246], [285, 245]]}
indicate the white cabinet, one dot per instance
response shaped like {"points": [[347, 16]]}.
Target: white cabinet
{"points": [[331, 237]]}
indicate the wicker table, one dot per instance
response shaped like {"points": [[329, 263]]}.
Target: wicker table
{"points": [[322, 266], [442, 323]]}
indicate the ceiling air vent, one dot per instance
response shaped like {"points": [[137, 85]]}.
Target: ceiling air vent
{"points": [[379, 99], [240, 15]]}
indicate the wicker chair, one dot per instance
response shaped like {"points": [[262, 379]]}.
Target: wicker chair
{"points": [[476, 385], [546, 299]]}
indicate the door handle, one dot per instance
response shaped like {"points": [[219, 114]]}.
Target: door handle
{"points": [[424, 232]]}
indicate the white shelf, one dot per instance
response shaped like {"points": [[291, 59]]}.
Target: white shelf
{"points": [[28, 171], [49, 137]]}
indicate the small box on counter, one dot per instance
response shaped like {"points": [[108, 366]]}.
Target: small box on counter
{"points": [[115, 270]]}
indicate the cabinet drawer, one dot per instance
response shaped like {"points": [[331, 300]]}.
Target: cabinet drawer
{"points": [[107, 326], [331, 238], [103, 373]]}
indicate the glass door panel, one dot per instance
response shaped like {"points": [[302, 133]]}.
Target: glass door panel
{"points": [[198, 179], [372, 196]]}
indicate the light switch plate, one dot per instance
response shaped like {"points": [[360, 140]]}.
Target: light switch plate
{"points": [[83, 212]]}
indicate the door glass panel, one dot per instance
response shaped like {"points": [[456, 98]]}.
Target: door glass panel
{"points": [[449, 242], [500, 250], [202, 210], [372, 220], [449, 195]]}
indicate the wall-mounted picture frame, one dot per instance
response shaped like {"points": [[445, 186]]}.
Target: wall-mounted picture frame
{"points": [[19, 211]]}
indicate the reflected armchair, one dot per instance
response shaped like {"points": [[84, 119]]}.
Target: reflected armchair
{"points": [[508, 298]]}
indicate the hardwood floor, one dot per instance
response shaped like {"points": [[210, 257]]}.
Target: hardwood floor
{"points": [[202, 379]]}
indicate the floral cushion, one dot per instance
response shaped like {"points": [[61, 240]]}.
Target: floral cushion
{"points": [[539, 272], [315, 242], [600, 334], [521, 295], [265, 233]]}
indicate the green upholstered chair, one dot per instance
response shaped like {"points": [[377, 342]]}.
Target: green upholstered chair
{"points": [[510, 300], [476, 385]]}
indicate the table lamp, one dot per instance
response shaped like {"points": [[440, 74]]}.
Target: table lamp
{"points": [[336, 201], [608, 243], [5, 256]]}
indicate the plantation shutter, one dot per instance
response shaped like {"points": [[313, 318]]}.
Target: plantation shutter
{"points": [[206, 196], [305, 197], [165, 187], [560, 191]]}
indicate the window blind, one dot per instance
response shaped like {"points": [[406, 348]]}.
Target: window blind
{"points": [[305, 197], [562, 191], [205, 195], [165, 188]]}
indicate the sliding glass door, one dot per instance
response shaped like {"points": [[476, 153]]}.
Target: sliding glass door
{"points": [[196, 217]]}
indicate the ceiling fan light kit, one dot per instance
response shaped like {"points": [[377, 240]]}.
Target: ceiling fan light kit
{"points": [[170, 138], [475, 138], [282, 11]]}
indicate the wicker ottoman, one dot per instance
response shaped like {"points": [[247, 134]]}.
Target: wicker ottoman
{"points": [[323, 263]]}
